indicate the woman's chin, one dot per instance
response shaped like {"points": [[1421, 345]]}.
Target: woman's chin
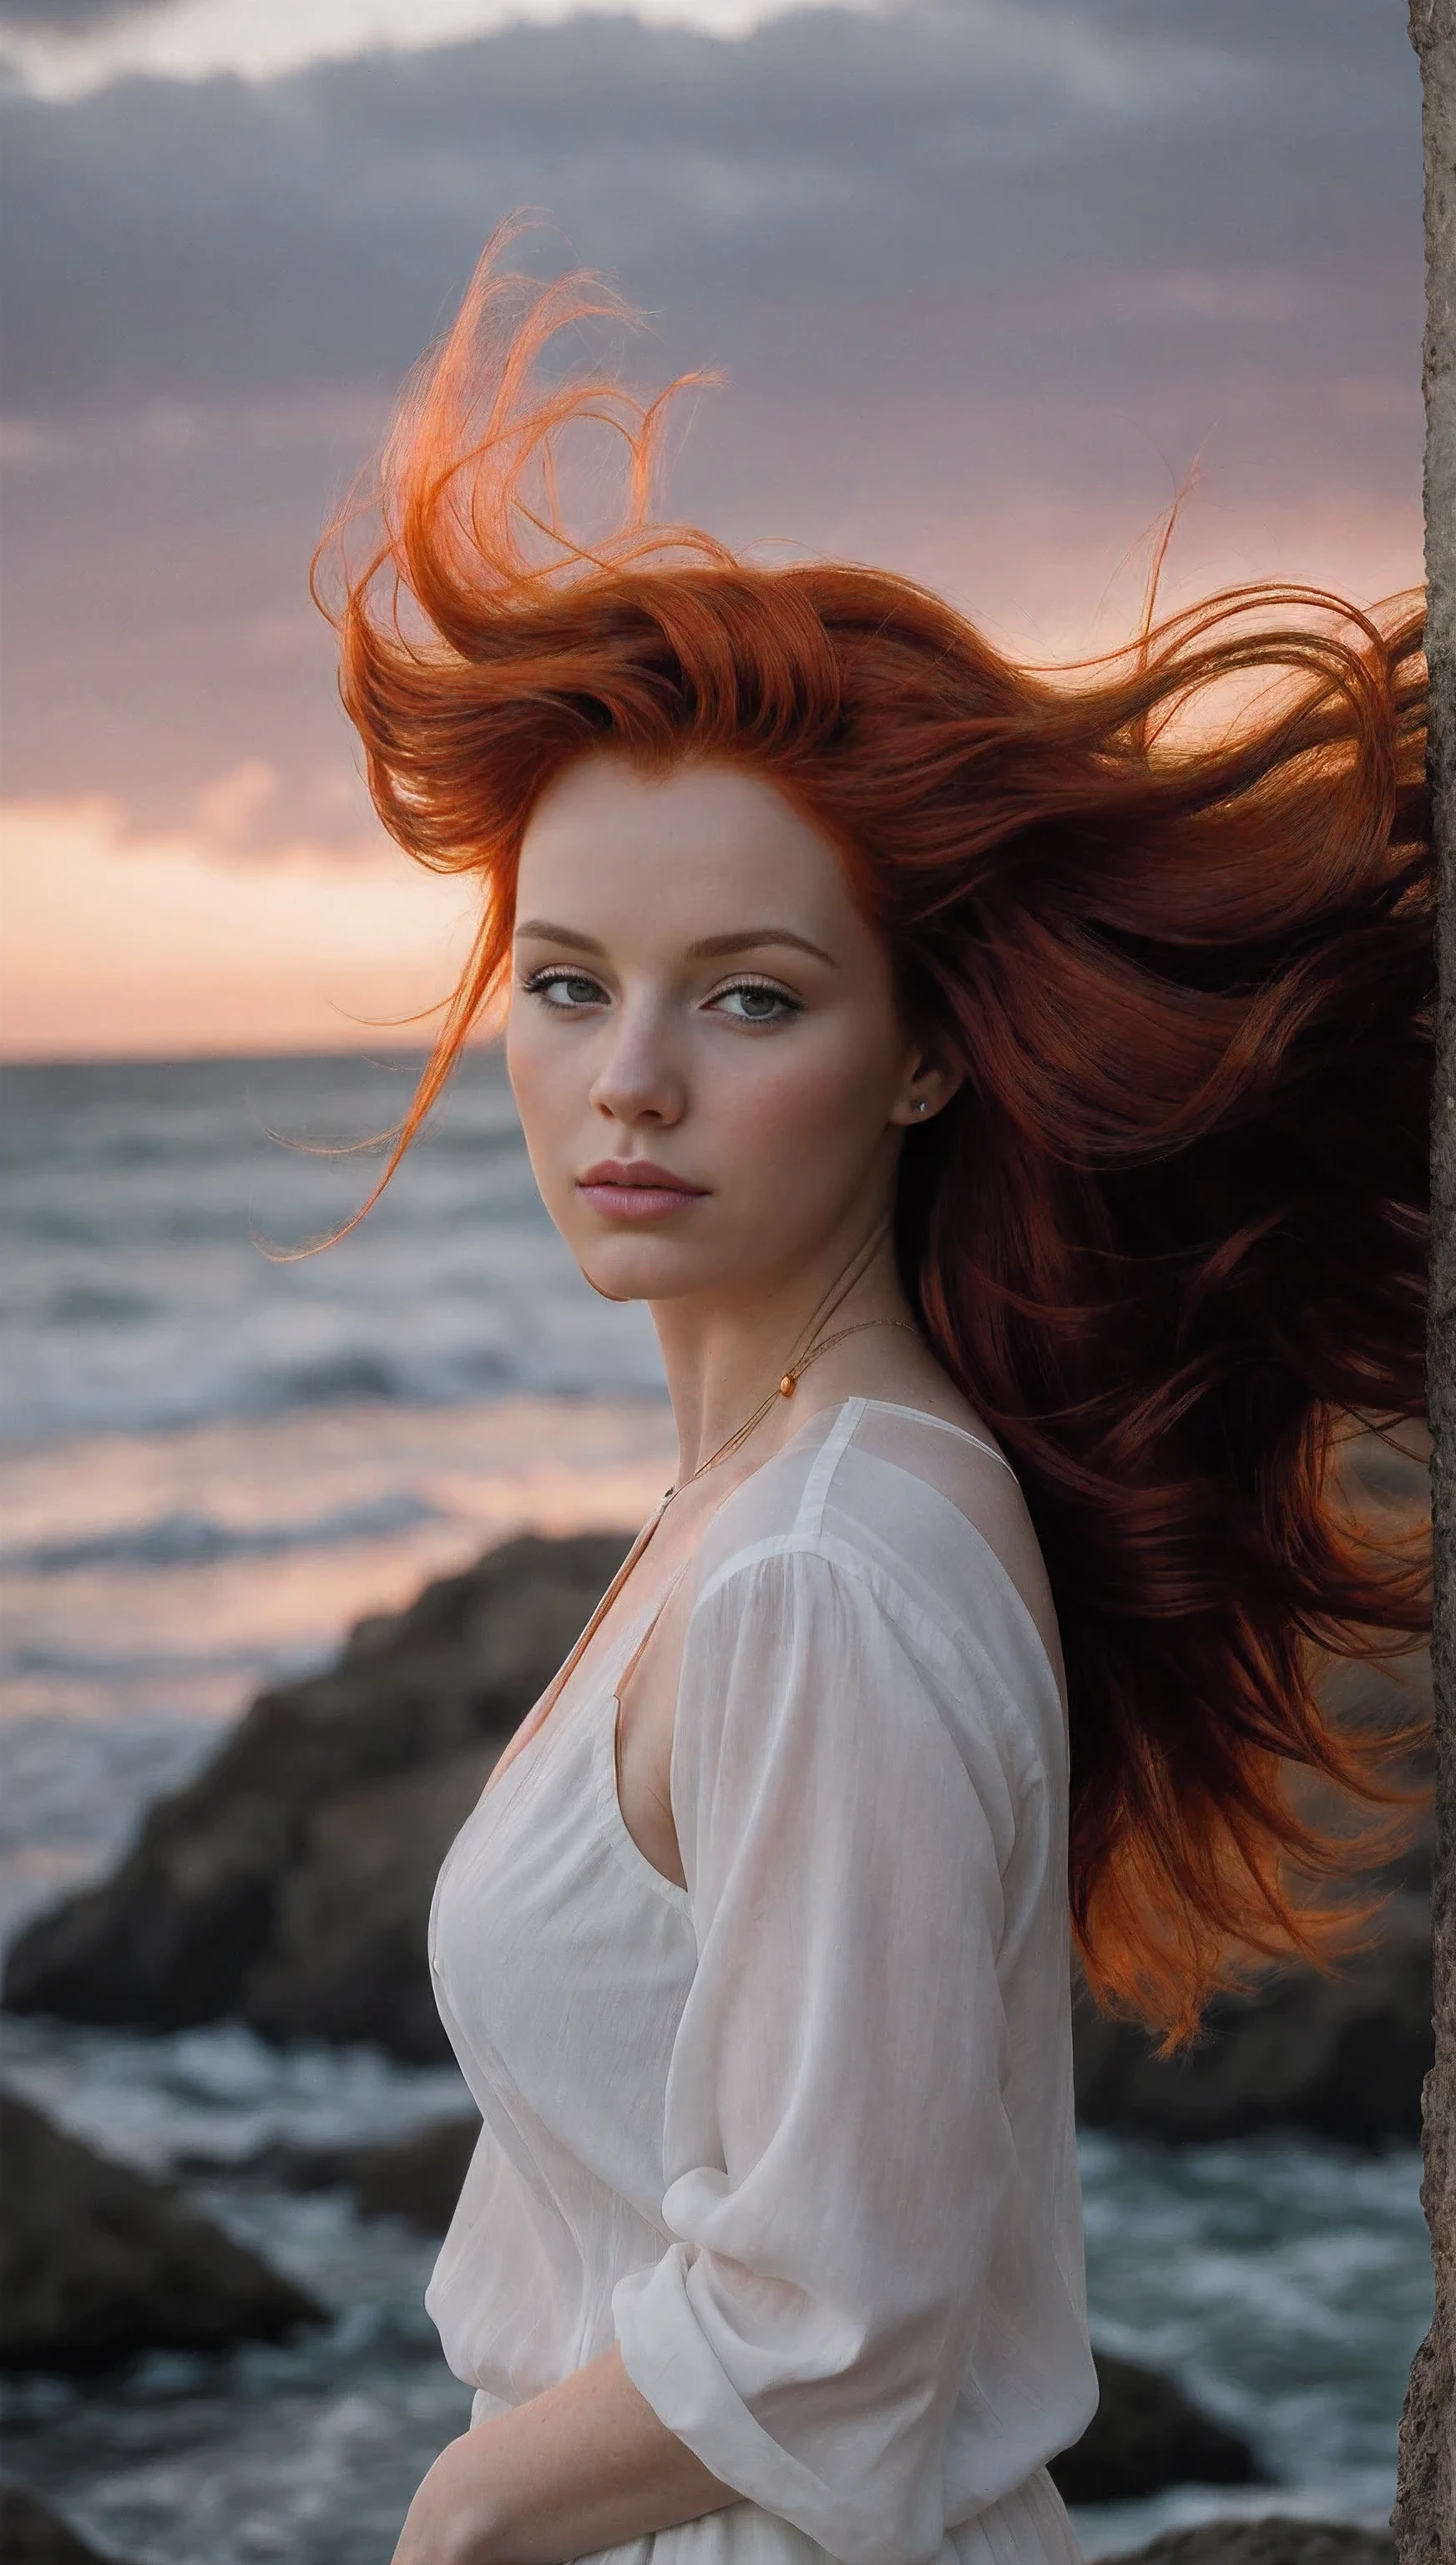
{"points": [[643, 1270]]}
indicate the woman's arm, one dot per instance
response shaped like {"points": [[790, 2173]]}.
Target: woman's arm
{"points": [[583, 2467]]}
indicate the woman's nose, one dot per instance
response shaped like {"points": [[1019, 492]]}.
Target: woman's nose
{"points": [[639, 1080]]}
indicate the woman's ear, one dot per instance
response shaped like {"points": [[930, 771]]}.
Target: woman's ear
{"points": [[929, 1089]]}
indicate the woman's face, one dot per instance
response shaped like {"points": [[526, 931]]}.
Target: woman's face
{"points": [[703, 1040]]}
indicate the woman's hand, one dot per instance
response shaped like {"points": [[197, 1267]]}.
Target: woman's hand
{"points": [[583, 2466]]}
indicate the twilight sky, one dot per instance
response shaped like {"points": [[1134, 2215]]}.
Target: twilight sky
{"points": [[986, 278]]}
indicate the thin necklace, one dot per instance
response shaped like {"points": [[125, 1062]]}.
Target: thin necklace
{"points": [[784, 1388], [814, 1345], [787, 1384]]}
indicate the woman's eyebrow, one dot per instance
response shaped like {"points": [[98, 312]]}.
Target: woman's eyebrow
{"points": [[708, 948], [551, 934]]}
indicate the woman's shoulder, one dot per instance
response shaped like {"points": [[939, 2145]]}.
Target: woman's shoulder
{"points": [[855, 1553], [926, 1514]]}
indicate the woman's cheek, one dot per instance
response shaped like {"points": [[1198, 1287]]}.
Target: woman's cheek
{"points": [[549, 1107], [812, 1110]]}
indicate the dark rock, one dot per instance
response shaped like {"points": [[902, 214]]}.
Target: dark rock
{"points": [[1342, 2056], [203, 1919], [32, 2534], [418, 2177], [1146, 2435], [98, 2262], [348, 1957], [1273, 2541]]}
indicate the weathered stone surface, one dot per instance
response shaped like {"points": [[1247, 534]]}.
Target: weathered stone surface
{"points": [[1145, 2435], [32, 2534], [98, 2263], [1340, 2056], [348, 1957], [1273, 2541], [211, 1915], [1425, 2501]]}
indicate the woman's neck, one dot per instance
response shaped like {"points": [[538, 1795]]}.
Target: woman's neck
{"points": [[724, 1359]]}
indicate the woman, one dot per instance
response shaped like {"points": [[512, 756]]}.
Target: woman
{"points": [[1009, 1098]]}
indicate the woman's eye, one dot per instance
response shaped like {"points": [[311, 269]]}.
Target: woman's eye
{"points": [[755, 1002], [563, 990]]}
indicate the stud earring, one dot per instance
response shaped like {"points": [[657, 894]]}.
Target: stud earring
{"points": [[922, 1104]]}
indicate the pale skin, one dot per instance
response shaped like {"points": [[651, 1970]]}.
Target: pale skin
{"points": [[695, 989]]}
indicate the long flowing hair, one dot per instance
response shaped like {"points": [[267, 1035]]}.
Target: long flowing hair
{"points": [[1169, 916]]}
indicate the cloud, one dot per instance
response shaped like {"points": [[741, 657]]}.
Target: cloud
{"points": [[74, 17], [984, 274], [117, 945], [221, 238]]}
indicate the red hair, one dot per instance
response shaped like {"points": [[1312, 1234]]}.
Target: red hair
{"points": [[1170, 1238]]}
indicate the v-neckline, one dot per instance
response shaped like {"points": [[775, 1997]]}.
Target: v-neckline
{"points": [[540, 1717]]}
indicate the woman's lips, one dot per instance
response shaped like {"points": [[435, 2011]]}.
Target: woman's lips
{"points": [[636, 1189]]}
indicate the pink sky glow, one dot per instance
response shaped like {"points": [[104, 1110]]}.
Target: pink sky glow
{"points": [[120, 944], [984, 285]]}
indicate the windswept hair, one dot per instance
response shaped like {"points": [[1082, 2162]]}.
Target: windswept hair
{"points": [[1169, 916]]}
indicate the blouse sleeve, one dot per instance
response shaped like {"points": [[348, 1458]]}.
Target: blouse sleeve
{"points": [[837, 2150]]}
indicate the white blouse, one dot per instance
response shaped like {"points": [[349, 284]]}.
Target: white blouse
{"points": [[797, 2137]]}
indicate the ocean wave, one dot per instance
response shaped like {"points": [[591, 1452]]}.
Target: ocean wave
{"points": [[218, 2091], [336, 1381], [185, 1538], [82, 1783], [90, 1304], [355, 1374], [159, 1666], [141, 1293], [187, 1376]]}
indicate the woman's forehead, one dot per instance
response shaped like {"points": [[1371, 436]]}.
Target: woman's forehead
{"points": [[701, 852]]}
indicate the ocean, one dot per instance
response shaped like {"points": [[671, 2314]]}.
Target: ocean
{"points": [[217, 1453]]}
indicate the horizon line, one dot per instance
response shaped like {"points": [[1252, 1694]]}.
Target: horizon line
{"points": [[386, 1053]]}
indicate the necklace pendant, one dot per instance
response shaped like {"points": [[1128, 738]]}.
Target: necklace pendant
{"points": [[788, 1385]]}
